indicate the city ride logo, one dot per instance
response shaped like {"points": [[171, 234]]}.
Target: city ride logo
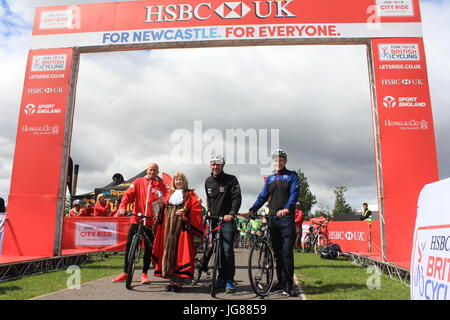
{"points": [[226, 10]]}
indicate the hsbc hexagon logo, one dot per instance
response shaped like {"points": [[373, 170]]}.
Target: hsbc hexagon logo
{"points": [[30, 109], [232, 10], [349, 236]]}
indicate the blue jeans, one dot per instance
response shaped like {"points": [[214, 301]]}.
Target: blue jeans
{"points": [[282, 231], [227, 256]]}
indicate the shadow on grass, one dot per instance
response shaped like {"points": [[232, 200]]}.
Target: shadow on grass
{"points": [[318, 288], [6, 289]]}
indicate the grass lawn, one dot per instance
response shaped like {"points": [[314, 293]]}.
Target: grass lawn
{"points": [[322, 279], [37, 285]]}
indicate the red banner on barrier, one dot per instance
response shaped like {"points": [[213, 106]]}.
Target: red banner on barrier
{"points": [[100, 233], [355, 236]]}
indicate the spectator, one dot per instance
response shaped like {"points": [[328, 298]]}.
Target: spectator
{"points": [[365, 213], [299, 217], [101, 208], [75, 211], [2, 206], [87, 211], [115, 209]]}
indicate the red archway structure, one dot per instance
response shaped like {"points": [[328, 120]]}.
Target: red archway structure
{"points": [[405, 150]]}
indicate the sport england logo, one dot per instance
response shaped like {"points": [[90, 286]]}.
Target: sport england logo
{"points": [[389, 102], [55, 62], [226, 10], [30, 109], [399, 52]]}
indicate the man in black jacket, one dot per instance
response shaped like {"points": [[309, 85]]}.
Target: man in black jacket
{"points": [[223, 199]]}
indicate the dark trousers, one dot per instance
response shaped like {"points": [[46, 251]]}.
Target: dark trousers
{"points": [[282, 231], [147, 250], [227, 256]]}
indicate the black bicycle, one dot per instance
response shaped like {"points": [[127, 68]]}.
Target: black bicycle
{"points": [[261, 263], [136, 247], [212, 246]]}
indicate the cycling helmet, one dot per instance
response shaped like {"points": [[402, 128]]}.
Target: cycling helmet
{"points": [[77, 202], [217, 158], [279, 153]]}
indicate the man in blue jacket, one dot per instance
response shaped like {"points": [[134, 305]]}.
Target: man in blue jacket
{"points": [[282, 190]]}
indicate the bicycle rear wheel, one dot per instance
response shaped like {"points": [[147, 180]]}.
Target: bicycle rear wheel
{"points": [[133, 259], [261, 267], [202, 258], [306, 244], [320, 244]]}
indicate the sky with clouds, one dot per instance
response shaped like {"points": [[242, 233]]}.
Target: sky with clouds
{"points": [[130, 105]]}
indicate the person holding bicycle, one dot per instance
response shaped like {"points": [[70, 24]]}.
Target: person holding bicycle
{"points": [[143, 192], [173, 250], [282, 190], [223, 196]]}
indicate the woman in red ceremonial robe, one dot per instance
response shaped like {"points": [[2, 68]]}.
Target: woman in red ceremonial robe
{"points": [[173, 249]]}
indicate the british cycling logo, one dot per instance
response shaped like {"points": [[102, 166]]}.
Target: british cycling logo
{"points": [[399, 52], [55, 62], [431, 269]]}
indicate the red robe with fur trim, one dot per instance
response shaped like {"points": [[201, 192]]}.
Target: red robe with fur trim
{"points": [[185, 255]]}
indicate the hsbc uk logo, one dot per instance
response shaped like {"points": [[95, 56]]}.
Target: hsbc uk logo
{"points": [[347, 235], [226, 10], [404, 82], [45, 90]]}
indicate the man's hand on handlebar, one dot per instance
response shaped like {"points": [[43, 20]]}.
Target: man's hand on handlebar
{"points": [[227, 218]]}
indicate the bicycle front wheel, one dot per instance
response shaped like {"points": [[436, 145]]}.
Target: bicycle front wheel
{"points": [[215, 266], [261, 267], [133, 259], [320, 244]]}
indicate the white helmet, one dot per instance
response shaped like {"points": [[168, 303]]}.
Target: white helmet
{"points": [[279, 153], [78, 201], [217, 158]]}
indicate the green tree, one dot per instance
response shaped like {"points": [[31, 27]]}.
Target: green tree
{"points": [[323, 211], [306, 198], [340, 204]]}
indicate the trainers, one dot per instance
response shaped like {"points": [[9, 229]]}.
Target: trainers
{"points": [[144, 279], [277, 288], [229, 288], [285, 293], [121, 278]]}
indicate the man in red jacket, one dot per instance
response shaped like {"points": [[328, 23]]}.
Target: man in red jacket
{"points": [[144, 192], [299, 217]]}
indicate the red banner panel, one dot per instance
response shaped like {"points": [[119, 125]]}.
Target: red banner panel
{"points": [[407, 140], [38, 159]]}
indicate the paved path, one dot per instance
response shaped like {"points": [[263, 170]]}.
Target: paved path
{"points": [[105, 289]]}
